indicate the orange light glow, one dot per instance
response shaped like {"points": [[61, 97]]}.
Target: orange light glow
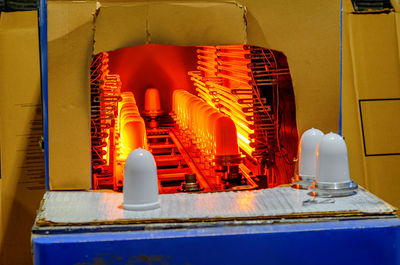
{"points": [[212, 121], [214, 133], [245, 201], [152, 104], [226, 81], [131, 125], [105, 90], [229, 104], [224, 115], [225, 137]]}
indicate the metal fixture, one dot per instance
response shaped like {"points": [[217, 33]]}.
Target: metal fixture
{"points": [[242, 81], [190, 184]]}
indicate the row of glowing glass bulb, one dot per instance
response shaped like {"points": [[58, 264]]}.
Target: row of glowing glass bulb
{"points": [[131, 125], [231, 106], [231, 97], [211, 131], [110, 86], [233, 109]]}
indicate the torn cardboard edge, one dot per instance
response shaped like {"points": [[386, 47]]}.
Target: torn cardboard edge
{"points": [[42, 222], [76, 30], [347, 7], [90, 29], [144, 23], [370, 72], [22, 184]]}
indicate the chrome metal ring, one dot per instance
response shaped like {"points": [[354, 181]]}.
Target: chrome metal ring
{"points": [[336, 186], [334, 189], [302, 184]]}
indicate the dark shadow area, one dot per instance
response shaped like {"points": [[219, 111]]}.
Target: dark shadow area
{"points": [[23, 187], [287, 128]]}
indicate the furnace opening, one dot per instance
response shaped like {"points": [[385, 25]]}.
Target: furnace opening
{"points": [[215, 118]]}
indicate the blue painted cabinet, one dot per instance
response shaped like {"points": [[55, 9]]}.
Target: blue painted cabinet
{"points": [[366, 241]]}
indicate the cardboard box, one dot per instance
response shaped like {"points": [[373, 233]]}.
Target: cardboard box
{"points": [[371, 98], [307, 33], [22, 163]]}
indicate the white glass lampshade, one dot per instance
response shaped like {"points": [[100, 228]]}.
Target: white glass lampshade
{"points": [[333, 177], [332, 160], [140, 182], [307, 153]]}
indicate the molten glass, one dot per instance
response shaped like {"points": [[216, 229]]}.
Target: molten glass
{"points": [[152, 106], [134, 134], [132, 126], [225, 137], [213, 133]]}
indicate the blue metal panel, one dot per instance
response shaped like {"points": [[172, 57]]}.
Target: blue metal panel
{"points": [[43, 70], [343, 242], [341, 70]]}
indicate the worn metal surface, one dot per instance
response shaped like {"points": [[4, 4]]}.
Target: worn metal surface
{"points": [[61, 208]]}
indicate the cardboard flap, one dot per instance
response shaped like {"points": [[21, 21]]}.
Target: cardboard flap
{"points": [[120, 26], [22, 169], [308, 35], [396, 5], [169, 23], [70, 41], [380, 126], [70, 17], [197, 24], [375, 55], [17, 20]]}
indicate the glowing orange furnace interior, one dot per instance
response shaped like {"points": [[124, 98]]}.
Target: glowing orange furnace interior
{"points": [[215, 118]]}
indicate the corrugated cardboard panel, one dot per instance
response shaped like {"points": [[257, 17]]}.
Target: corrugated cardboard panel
{"points": [[351, 118], [194, 24], [375, 55], [129, 19], [397, 25], [372, 71], [395, 4], [348, 6], [383, 177], [1, 193], [69, 53], [282, 202], [22, 163], [168, 23], [71, 27], [381, 128], [308, 33]]}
